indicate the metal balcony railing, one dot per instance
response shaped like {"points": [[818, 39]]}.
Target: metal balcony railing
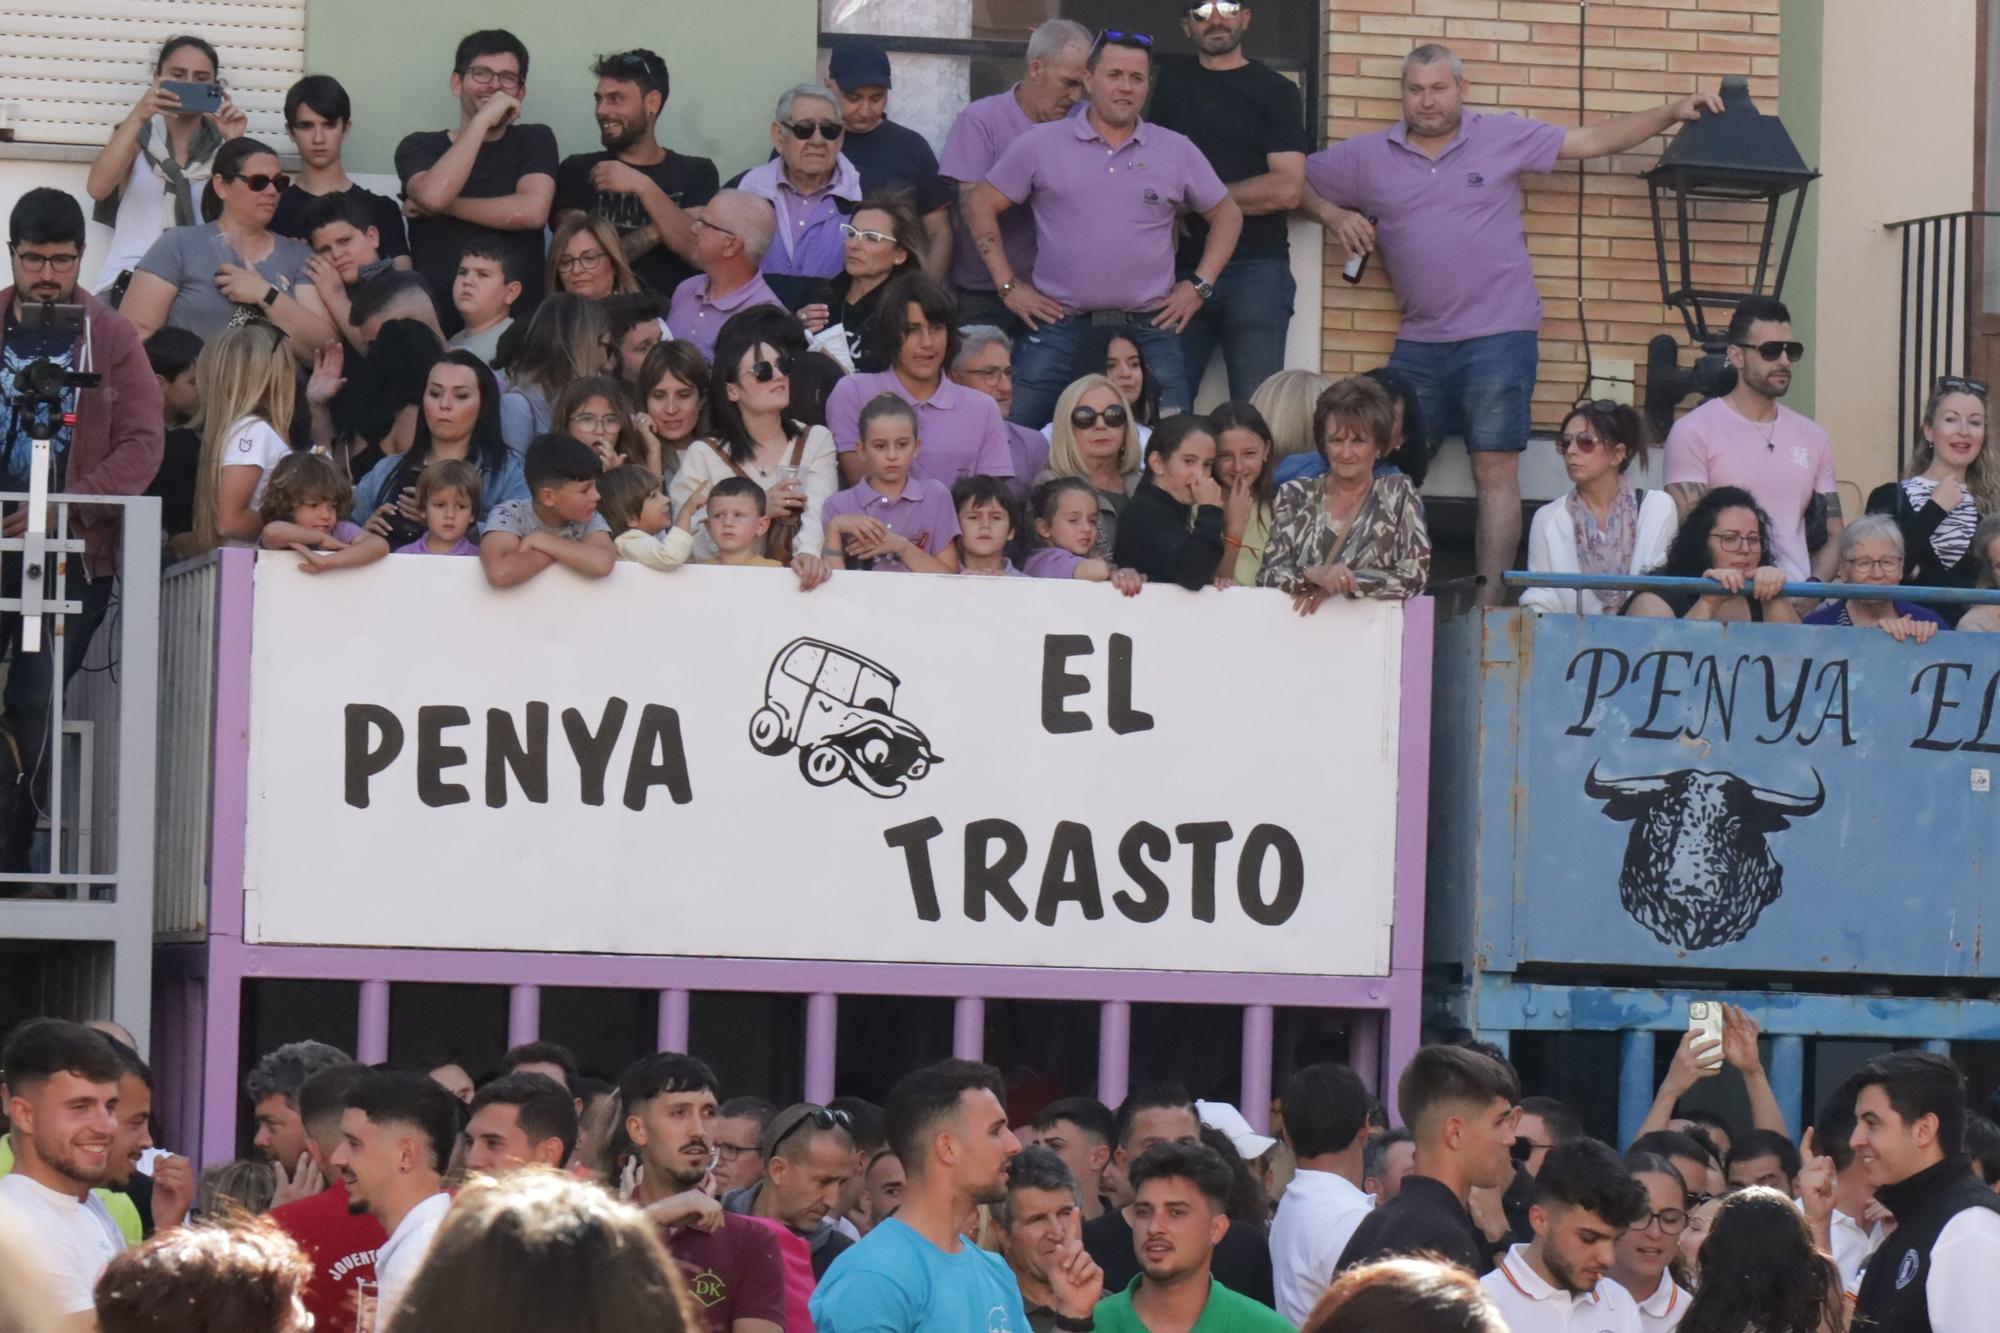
{"points": [[1937, 306]]}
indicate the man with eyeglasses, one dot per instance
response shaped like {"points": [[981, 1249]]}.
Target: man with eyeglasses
{"points": [[1108, 190], [1748, 438], [1249, 121], [812, 188], [732, 234], [1556, 1283], [642, 188], [986, 363], [893, 159], [493, 176], [1054, 81], [808, 1160], [739, 1130], [1440, 192], [113, 445]]}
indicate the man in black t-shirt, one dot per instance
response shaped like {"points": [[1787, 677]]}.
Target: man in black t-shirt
{"points": [[892, 158], [1249, 122], [492, 176], [318, 116], [641, 188]]}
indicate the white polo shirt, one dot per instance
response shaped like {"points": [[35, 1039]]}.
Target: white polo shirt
{"points": [[1853, 1246], [1530, 1305], [1659, 1313], [1316, 1219], [69, 1240], [399, 1258]]}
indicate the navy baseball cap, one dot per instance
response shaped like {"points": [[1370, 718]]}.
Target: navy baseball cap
{"points": [[858, 65]]}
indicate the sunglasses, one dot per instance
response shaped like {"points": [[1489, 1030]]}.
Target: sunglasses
{"points": [[1086, 418], [1113, 37], [819, 1118], [1210, 9], [766, 371], [828, 130], [1958, 384], [1771, 351], [850, 232], [260, 182], [1583, 442]]}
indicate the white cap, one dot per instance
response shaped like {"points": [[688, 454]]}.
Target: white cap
{"points": [[1250, 1145]]}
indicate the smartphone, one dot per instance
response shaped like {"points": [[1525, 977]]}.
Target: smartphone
{"points": [[196, 98], [49, 317], [1705, 1022]]}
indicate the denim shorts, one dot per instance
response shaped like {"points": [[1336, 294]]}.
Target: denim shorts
{"points": [[1480, 388]]}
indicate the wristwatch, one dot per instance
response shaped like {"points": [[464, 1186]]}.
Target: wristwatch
{"points": [[1069, 1325], [1009, 286], [1202, 288], [271, 294]]}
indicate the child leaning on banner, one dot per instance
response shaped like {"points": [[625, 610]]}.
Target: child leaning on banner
{"points": [[986, 523], [1065, 519], [557, 525], [448, 495], [737, 521], [633, 504], [302, 506]]}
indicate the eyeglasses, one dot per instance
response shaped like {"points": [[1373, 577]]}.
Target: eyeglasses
{"points": [[819, 1117], [1737, 541], [31, 262], [1956, 384], [1113, 37], [828, 130], [1887, 564], [1086, 418], [609, 421], [700, 221], [479, 76], [1771, 351], [729, 1152], [1672, 1221], [260, 182], [766, 371], [588, 259], [989, 374], [1210, 9], [850, 232], [1583, 442]]}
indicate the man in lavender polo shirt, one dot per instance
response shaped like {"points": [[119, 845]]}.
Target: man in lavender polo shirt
{"points": [[811, 186], [731, 233], [985, 362], [1108, 190], [1443, 191], [1056, 80]]}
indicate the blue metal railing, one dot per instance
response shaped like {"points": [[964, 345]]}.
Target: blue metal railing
{"points": [[1901, 592]]}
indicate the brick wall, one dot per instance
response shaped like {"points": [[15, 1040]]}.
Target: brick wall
{"points": [[1521, 55]]}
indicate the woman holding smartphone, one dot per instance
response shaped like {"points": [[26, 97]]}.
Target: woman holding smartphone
{"points": [[149, 176]]}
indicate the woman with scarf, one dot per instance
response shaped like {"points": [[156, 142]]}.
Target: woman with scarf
{"points": [[1603, 525]]}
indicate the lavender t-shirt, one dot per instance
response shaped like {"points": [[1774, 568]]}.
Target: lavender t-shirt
{"points": [[959, 430], [980, 134], [463, 546], [1449, 229], [1051, 562], [1782, 463], [923, 513], [1105, 217]]}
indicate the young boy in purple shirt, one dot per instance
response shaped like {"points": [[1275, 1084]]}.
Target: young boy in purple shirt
{"points": [[891, 521]]}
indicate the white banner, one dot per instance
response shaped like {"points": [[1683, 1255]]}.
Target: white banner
{"points": [[889, 768]]}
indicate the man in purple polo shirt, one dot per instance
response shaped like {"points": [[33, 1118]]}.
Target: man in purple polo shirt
{"points": [[1443, 190], [1056, 80], [1107, 190], [732, 232], [812, 187], [985, 362]]}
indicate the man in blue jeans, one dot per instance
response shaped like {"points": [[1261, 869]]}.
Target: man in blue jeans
{"points": [[1107, 190], [1443, 190], [1249, 123]]}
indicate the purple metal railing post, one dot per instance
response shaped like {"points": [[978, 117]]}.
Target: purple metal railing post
{"points": [[524, 1014], [822, 1033], [1114, 1051], [1403, 990], [1256, 1101], [673, 1034], [1364, 1047], [371, 1042], [968, 1028]]}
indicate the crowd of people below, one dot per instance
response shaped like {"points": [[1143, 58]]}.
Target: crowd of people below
{"points": [[416, 1197]]}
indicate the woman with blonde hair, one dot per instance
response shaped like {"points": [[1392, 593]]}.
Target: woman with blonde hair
{"points": [[586, 259], [568, 338], [248, 389], [1095, 438], [1287, 400], [1953, 484], [536, 1250]]}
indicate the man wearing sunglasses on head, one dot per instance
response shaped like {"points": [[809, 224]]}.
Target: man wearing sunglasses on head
{"points": [[492, 176], [1249, 121], [1440, 192], [808, 1160], [1108, 190], [732, 235], [811, 186], [1748, 438]]}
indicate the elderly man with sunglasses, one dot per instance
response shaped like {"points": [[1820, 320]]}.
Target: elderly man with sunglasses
{"points": [[1108, 190], [811, 186], [809, 1157], [732, 236]]}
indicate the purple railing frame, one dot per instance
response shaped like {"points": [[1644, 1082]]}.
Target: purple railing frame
{"points": [[202, 984]]}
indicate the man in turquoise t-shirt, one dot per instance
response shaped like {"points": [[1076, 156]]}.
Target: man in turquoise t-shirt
{"points": [[915, 1273], [1178, 1218]]}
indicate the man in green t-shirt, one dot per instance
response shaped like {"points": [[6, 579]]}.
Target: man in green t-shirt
{"points": [[1178, 1217]]}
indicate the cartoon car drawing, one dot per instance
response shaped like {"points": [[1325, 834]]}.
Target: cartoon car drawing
{"points": [[838, 709]]}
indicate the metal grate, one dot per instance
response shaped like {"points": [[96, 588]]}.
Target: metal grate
{"points": [[1934, 328], [187, 728]]}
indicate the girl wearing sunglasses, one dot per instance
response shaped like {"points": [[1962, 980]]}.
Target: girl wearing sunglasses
{"points": [[233, 267], [1603, 525], [1953, 485], [1095, 440]]}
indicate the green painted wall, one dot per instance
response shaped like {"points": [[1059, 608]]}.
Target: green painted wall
{"points": [[729, 62], [1801, 29]]}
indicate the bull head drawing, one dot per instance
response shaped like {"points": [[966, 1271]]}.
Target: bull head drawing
{"points": [[1698, 871]]}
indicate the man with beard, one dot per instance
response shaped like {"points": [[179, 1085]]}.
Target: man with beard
{"points": [[1179, 1215], [341, 1243], [396, 1140], [731, 1264], [62, 1099], [947, 1124], [1584, 1200], [273, 1088], [641, 188], [1249, 122]]}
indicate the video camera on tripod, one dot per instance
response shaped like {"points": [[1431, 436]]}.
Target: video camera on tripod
{"points": [[41, 394]]}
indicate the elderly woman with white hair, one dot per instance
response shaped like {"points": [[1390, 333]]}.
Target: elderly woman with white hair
{"points": [[1871, 551]]}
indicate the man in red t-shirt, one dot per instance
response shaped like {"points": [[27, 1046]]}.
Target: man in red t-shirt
{"points": [[340, 1244], [732, 1265]]}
